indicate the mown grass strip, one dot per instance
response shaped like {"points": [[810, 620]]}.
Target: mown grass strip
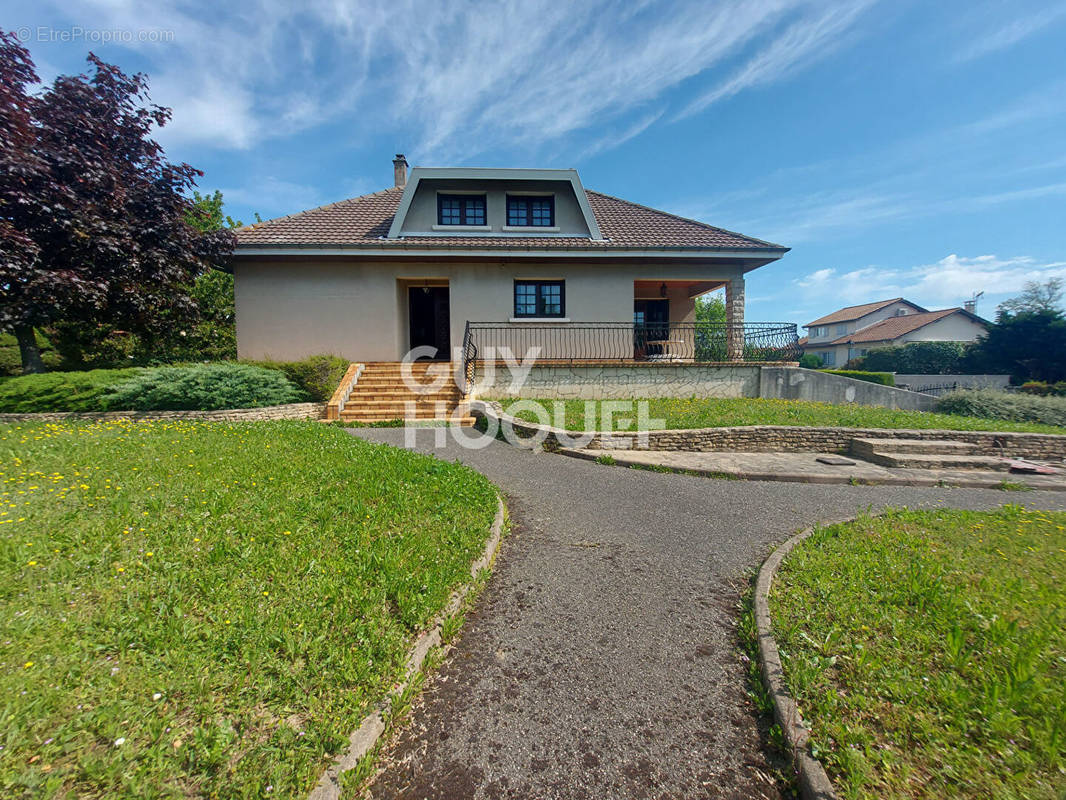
{"points": [[678, 413]]}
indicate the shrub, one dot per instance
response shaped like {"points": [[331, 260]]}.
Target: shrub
{"points": [[61, 391], [810, 361], [883, 378], [203, 387], [917, 358], [1000, 405], [316, 376], [1043, 388]]}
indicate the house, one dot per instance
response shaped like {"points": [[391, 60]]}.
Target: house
{"points": [[470, 263], [372, 277], [850, 332]]}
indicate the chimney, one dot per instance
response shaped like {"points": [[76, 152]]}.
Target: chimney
{"points": [[399, 169], [971, 306]]}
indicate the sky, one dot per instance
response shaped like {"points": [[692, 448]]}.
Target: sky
{"points": [[900, 148]]}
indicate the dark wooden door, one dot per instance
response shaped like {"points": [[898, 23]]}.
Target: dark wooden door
{"points": [[430, 320], [651, 323]]}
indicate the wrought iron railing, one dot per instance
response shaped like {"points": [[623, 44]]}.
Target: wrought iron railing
{"points": [[624, 341]]}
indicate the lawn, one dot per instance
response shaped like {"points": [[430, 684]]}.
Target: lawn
{"points": [[724, 412], [197, 609], [927, 650]]}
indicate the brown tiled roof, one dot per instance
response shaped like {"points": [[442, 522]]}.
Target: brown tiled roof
{"points": [[856, 312], [894, 327], [365, 221]]}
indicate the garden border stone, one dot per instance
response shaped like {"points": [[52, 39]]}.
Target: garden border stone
{"points": [[374, 725], [287, 411], [813, 780]]}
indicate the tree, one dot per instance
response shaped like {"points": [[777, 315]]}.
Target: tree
{"points": [[710, 309], [1029, 345], [94, 221], [1036, 298], [916, 358]]}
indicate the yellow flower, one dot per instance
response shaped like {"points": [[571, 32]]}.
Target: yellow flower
{"points": [[27, 665], [265, 593], [287, 533], [33, 563], [149, 554]]}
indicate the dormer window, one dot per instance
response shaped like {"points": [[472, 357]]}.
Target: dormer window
{"points": [[461, 209], [530, 212]]}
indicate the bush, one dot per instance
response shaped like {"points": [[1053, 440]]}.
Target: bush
{"points": [[917, 358], [203, 387], [316, 376], [1043, 389], [1000, 405], [61, 391], [810, 361], [883, 378]]}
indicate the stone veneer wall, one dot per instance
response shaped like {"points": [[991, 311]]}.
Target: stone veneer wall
{"points": [[290, 411], [789, 439], [605, 381]]}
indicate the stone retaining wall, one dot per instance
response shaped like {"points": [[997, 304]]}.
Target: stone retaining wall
{"points": [[290, 411], [783, 438]]}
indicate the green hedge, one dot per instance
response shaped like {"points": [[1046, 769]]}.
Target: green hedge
{"points": [[203, 387], [61, 391], [317, 376], [1001, 405], [883, 378]]}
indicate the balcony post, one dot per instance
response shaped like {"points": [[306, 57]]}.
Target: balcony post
{"points": [[734, 317]]}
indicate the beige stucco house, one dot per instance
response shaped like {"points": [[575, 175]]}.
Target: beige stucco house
{"points": [[530, 254], [850, 332]]}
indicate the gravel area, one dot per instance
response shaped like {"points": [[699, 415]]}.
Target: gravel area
{"points": [[601, 660]]}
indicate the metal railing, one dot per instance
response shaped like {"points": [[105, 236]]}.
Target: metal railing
{"points": [[680, 342]]}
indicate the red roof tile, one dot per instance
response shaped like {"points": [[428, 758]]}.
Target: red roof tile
{"points": [[857, 312], [364, 221], [892, 328]]}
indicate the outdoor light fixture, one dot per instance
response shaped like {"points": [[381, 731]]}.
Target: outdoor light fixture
{"points": [[662, 290]]}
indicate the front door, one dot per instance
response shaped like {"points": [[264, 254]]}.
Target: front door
{"points": [[430, 322]]}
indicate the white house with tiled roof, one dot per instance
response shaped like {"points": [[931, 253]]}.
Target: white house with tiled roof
{"points": [[852, 331], [530, 254]]}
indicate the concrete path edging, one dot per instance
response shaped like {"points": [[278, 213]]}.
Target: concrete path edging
{"points": [[979, 480], [813, 781], [370, 730]]}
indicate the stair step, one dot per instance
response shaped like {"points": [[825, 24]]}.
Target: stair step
{"points": [[862, 446], [938, 461]]}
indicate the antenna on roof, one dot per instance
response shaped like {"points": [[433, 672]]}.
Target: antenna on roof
{"points": [[971, 304]]}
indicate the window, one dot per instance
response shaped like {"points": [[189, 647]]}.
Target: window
{"points": [[460, 209], [842, 329], [530, 212], [539, 298], [829, 358], [818, 332]]}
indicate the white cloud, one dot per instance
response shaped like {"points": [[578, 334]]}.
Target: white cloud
{"points": [[944, 283], [1005, 35], [525, 73]]}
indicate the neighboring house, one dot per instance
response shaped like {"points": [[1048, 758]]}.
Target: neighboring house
{"points": [[528, 253], [850, 332]]}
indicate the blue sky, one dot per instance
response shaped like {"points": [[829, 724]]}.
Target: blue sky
{"points": [[900, 148]]}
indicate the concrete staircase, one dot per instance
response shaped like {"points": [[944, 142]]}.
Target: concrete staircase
{"points": [[380, 393], [925, 454]]}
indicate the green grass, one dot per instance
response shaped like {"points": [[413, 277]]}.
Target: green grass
{"points": [[724, 412], [197, 609], [927, 650]]}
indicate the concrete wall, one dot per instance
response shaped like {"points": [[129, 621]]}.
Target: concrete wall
{"points": [[795, 383], [608, 382], [358, 309]]}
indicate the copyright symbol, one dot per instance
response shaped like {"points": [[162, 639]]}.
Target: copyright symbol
{"points": [[23, 34]]}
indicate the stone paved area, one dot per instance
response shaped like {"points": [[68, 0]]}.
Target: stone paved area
{"points": [[600, 661], [805, 468]]}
